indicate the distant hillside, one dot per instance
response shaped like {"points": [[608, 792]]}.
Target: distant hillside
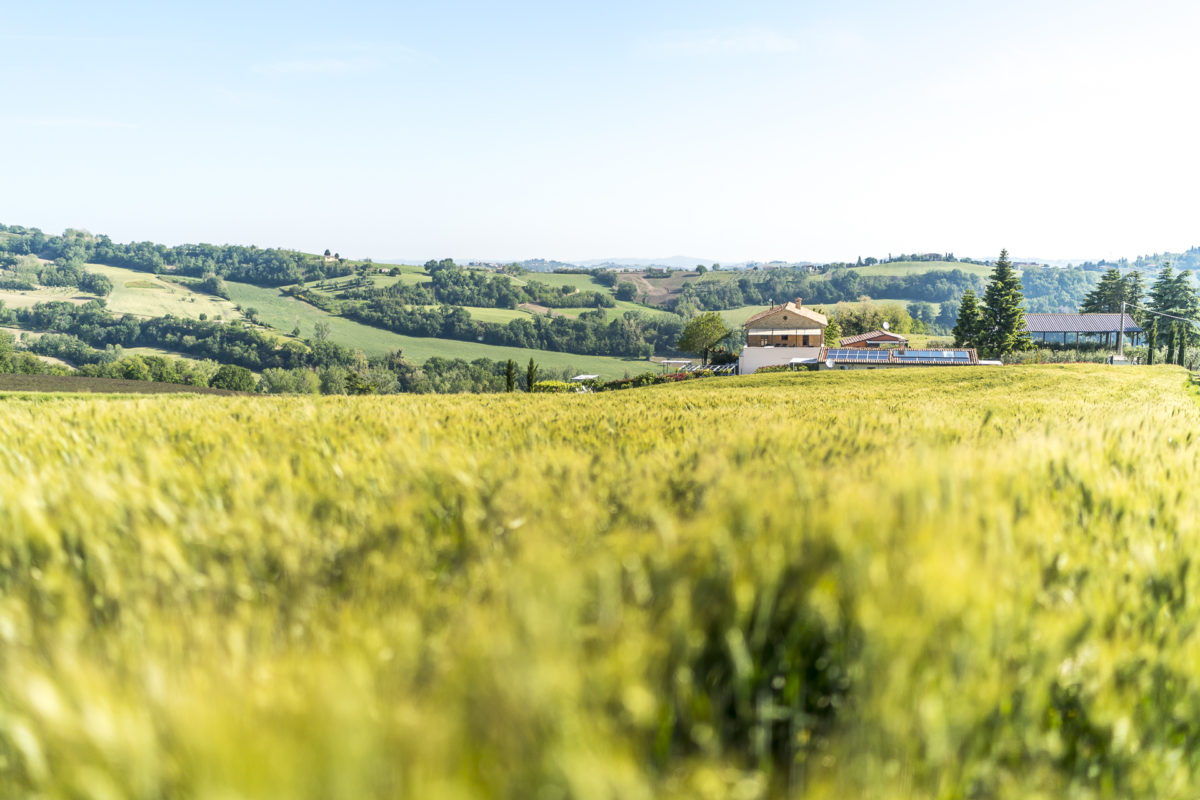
{"points": [[670, 262]]}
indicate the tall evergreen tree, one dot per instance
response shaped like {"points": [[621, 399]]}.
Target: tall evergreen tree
{"points": [[1003, 316], [1108, 295], [969, 324], [1173, 293], [1171, 343], [1135, 294], [531, 375], [510, 376], [1151, 340]]}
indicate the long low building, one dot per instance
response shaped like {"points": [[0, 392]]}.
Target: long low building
{"points": [[1066, 329]]}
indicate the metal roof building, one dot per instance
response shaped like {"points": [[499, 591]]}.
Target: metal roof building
{"points": [[1057, 328]]}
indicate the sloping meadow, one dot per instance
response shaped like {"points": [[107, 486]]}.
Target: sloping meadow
{"points": [[917, 583]]}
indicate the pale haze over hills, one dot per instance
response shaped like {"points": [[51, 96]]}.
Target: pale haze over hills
{"points": [[754, 131]]}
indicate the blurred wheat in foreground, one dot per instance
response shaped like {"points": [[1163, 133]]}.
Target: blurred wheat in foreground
{"points": [[919, 583]]}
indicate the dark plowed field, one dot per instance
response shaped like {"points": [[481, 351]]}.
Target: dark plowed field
{"points": [[73, 383]]}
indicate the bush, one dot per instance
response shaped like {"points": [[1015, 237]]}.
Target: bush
{"points": [[555, 387]]}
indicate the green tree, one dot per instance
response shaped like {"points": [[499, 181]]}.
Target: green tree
{"points": [[626, 290], [531, 375], [1171, 343], [833, 333], [1151, 340], [510, 376], [703, 333], [230, 376], [969, 325], [1003, 316]]}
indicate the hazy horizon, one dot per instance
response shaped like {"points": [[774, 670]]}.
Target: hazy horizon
{"points": [[537, 130]]}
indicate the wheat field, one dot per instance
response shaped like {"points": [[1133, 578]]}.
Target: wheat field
{"points": [[909, 583]]}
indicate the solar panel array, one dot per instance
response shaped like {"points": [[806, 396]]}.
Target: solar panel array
{"points": [[935, 356], [851, 355], [846, 355]]}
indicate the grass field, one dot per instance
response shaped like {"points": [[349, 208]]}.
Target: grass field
{"points": [[921, 267], [583, 283], [138, 293], [903, 584], [144, 295], [284, 313]]}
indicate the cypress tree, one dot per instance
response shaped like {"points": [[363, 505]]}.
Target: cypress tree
{"points": [[1003, 316], [1181, 348], [531, 375], [1151, 341], [1171, 344], [510, 376]]}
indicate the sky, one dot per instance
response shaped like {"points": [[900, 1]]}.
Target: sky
{"points": [[804, 130]]}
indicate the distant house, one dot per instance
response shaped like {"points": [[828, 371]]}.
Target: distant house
{"points": [[1073, 328], [875, 339], [786, 334]]}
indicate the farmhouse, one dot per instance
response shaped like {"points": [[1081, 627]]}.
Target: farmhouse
{"points": [[1081, 328], [786, 334], [875, 339]]}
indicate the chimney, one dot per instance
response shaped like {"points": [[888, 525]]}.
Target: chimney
{"points": [[799, 302]]}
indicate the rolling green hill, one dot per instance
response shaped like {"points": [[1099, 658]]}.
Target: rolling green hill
{"points": [[285, 313]]}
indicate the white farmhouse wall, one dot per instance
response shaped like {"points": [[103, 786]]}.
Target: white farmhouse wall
{"points": [[754, 358]]}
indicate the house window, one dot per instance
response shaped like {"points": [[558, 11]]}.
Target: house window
{"points": [[785, 338]]}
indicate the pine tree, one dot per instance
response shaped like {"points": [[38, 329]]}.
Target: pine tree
{"points": [[1003, 317], [969, 324], [1173, 293], [1108, 295]]}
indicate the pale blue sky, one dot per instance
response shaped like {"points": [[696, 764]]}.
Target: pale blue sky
{"points": [[728, 131]]}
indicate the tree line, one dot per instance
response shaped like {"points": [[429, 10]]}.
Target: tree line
{"points": [[263, 267], [778, 285]]}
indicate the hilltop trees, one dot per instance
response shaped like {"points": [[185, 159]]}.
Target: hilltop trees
{"points": [[1003, 330]]}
